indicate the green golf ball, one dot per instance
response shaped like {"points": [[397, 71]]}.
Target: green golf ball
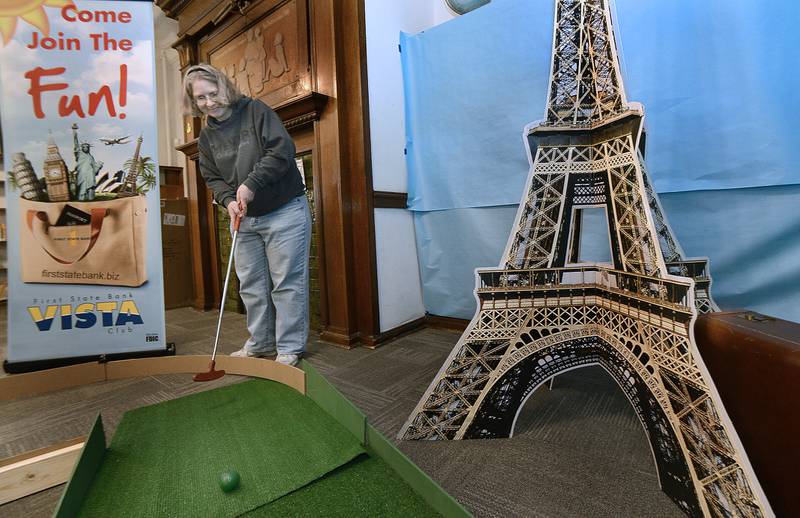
{"points": [[229, 480]]}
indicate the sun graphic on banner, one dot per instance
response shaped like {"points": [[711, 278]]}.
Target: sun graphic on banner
{"points": [[32, 11]]}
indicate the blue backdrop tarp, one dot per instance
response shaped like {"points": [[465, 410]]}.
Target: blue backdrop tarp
{"points": [[451, 244], [751, 236], [471, 85], [719, 98], [720, 103]]}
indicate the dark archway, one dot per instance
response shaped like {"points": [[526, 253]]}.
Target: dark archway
{"points": [[498, 411]]}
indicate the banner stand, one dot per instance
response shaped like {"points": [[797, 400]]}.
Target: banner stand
{"points": [[82, 205]]}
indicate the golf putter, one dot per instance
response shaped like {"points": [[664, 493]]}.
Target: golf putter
{"points": [[215, 374]]}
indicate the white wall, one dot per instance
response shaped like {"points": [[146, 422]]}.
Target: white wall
{"points": [[399, 289], [384, 21], [168, 80], [399, 285], [168, 91], [441, 13]]}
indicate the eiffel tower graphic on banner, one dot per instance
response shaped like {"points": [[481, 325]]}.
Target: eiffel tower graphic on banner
{"points": [[544, 311]]}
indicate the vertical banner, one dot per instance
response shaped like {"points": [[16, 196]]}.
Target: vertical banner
{"points": [[78, 120]]}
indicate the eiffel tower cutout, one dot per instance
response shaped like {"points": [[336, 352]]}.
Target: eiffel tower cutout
{"points": [[545, 310]]}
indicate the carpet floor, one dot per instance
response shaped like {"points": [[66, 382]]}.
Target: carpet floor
{"points": [[578, 449]]}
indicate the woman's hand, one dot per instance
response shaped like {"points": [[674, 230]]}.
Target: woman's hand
{"points": [[244, 196], [234, 210]]}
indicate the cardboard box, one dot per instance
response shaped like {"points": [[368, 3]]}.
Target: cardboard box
{"points": [[176, 253]]}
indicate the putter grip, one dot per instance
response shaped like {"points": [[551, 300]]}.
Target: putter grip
{"points": [[236, 222]]}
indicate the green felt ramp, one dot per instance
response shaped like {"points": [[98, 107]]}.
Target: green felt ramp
{"points": [[165, 459], [403, 470], [366, 487]]}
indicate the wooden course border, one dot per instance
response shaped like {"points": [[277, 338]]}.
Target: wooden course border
{"points": [[37, 470], [31, 384]]}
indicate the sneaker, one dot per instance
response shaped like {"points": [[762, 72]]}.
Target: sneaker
{"points": [[244, 353], [288, 359]]}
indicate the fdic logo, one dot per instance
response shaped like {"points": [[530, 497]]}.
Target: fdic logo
{"points": [[85, 315]]}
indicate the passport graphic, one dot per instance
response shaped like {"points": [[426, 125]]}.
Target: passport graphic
{"points": [[72, 216]]}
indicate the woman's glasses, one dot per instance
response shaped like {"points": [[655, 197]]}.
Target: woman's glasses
{"points": [[203, 99]]}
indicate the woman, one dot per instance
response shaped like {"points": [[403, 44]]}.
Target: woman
{"points": [[247, 160]]}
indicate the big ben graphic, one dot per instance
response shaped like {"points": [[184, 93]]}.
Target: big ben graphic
{"points": [[56, 174]]}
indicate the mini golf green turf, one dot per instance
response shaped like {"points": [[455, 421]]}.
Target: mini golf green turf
{"points": [[364, 487], [166, 459]]}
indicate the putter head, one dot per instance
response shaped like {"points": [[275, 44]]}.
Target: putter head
{"points": [[211, 375]]}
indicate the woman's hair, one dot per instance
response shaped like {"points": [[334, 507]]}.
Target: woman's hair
{"points": [[227, 94]]}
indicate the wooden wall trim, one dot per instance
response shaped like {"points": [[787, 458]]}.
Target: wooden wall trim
{"points": [[348, 229], [301, 120], [390, 200], [353, 77], [436, 321], [339, 337], [395, 332], [190, 149], [172, 8], [302, 111], [202, 233]]}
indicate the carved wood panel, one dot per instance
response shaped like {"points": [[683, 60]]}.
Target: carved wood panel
{"points": [[267, 59]]}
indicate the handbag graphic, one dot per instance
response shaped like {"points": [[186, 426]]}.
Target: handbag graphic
{"points": [[104, 243]]}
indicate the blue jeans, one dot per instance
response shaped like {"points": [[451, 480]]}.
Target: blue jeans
{"points": [[272, 265]]}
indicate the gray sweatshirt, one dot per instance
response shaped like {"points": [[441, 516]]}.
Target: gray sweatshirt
{"points": [[250, 147]]}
